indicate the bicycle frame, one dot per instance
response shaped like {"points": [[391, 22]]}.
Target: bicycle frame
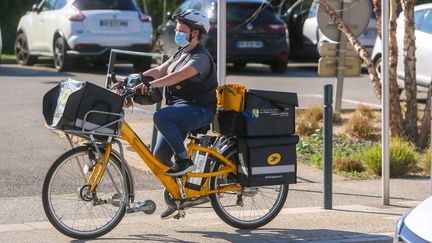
{"points": [[159, 169]]}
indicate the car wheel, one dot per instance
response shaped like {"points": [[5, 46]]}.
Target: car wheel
{"points": [[61, 59], [99, 63], [22, 52], [239, 65], [142, 64], [279, 67], [378, 67]]}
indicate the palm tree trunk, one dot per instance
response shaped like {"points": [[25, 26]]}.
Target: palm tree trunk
{"points": [[377, 11], [396, 127], [410, 122], [362, 52], [423, 136]]}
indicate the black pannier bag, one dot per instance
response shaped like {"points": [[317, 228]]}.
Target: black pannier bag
{"points": [[267, 161], [66, 105], [266, 113], [269, 113]]}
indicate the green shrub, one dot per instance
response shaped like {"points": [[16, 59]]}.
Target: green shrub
{"points": [[403, 158], [426, 161]]}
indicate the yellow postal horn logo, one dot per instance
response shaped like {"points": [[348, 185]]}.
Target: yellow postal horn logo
{"points": [[274, 159]]}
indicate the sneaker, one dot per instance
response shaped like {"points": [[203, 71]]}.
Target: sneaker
{"points": [[169, 213], [181, 167]]}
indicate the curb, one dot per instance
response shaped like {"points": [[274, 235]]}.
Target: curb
{"points": [[8, 61]]}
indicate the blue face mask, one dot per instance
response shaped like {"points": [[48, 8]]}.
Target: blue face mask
{"points": [[180, 39]]}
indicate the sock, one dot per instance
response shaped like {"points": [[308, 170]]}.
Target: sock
{"points": [[183, 155]]}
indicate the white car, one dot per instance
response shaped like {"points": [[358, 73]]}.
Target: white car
{"points": [[416, 225], [63, 29], [423, 34], [312, 36]]}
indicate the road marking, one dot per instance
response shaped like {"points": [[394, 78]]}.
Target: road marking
{"points": [[356, 102]]}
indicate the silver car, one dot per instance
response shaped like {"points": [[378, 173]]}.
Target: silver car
{"points": [[416, 224], [312, 36], [63, 29], [423, 34]]}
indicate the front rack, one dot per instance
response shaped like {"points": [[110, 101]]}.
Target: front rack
{"points": [[93, 132]]}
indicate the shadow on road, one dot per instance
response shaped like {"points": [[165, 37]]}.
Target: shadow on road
{"points": [[261, 235], [20, 71]]}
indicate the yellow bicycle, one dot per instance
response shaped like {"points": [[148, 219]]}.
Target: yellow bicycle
{"points": [[88, 189]]}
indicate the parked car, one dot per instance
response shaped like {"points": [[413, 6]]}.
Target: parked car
{"points": [[416, 224], [306, 36], [423, 34], [263, 39], [63, 29]]}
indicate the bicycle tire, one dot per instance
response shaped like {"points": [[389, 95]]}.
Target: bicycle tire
{"points": [[52, 215], [231, 219]]}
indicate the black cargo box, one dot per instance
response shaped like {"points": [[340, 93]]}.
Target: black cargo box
{"points": [[267, 161]]}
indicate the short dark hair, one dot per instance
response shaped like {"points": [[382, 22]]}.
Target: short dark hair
{"points": [[192, 28]]}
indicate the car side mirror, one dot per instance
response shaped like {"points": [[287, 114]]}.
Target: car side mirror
{"points": [[35, 8]]}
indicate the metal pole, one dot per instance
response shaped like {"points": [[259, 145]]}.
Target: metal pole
{"points": [[341, 63], [385, 104], [164, 13], [158, 107], [328, 146], [221, 42]]}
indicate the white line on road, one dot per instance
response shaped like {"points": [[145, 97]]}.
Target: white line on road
{"points": [[356, 102]]}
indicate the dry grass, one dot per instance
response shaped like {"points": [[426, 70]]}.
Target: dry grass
{"points": [[365, 110], [349, 165], [360, 126], [308, 120]]}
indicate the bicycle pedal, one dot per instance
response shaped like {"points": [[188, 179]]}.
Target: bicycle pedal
{"points": [[180, 214], [148, 207]]}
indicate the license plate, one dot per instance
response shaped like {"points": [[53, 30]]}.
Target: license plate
{"points": [[113, 23], [250, 44]]}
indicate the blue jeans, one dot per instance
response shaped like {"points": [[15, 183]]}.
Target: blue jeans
{"points": [[173, 123]]}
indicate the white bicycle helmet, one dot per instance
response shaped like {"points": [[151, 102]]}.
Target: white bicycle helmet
{"points": [[194, 18]]}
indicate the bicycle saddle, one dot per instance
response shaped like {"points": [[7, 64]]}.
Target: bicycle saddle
{"points": [[202, 130]]}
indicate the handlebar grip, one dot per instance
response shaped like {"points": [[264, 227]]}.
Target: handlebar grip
{"points": [[146, 80]]}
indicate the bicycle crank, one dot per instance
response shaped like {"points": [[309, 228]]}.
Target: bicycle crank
{"points": [[148, 207]]}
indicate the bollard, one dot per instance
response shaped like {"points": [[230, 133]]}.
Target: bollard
{"points": [[328, 146]]}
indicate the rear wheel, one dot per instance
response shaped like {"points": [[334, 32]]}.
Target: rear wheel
{"points": [[22, 52], [249, 208], [69, 206], [278, 66], [61, 59]]}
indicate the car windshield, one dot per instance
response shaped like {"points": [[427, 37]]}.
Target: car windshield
{"points": [[238, 12], [104, 4]]}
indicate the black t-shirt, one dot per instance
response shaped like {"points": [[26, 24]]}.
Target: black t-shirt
{"points": [[199, 89]]}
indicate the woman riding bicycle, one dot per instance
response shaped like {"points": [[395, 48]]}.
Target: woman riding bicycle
{"points": [[190, 80]]}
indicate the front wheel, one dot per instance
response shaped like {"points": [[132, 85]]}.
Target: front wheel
{"points": [[249, 208], [69, 205]]}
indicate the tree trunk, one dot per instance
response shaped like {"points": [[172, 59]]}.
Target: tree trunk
{"points": [[377, 11], [362, 52], [423, 136], [410, 122], [396, 127]]}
